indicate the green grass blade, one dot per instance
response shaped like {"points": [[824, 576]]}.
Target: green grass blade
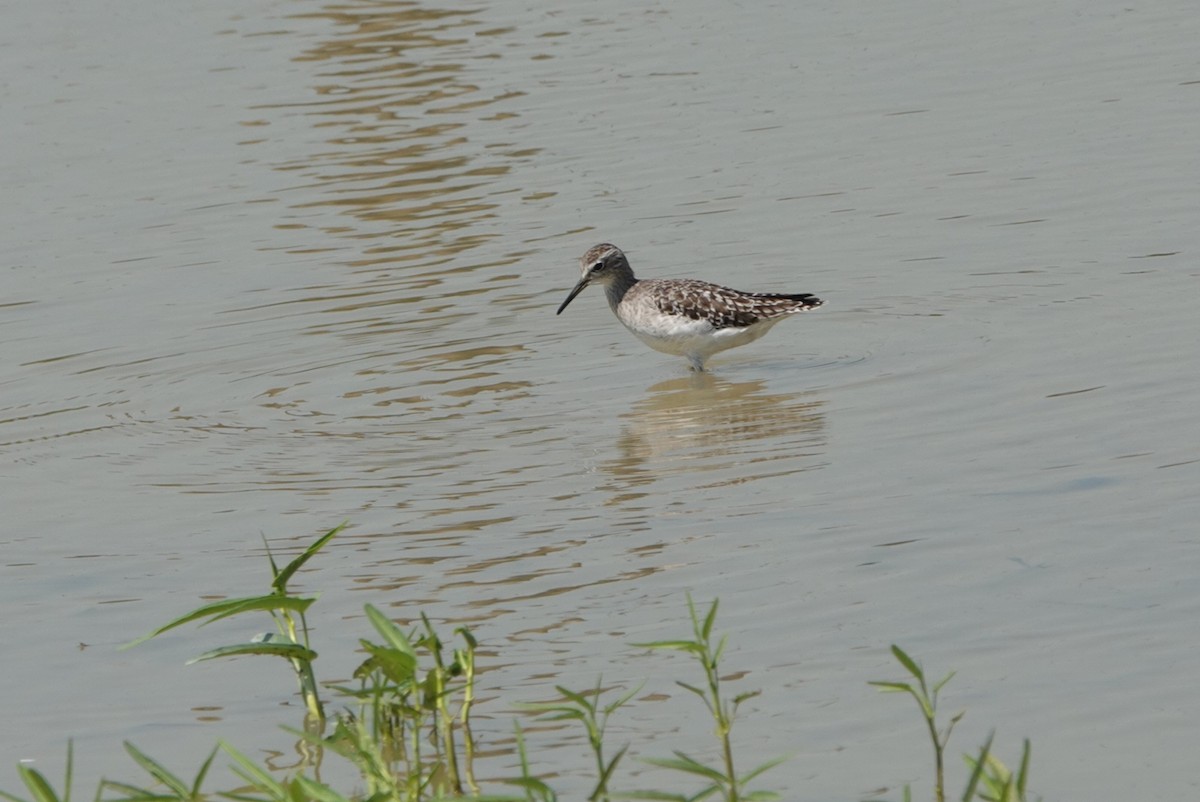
{"points": [[226, 608], [253, 774], [741, 697], [132, 793], [200, 775], [943, 681], [677, 645], [693, 689], [611, 767], [135, 794], [760, 768], [532, 785], [292, 651], [37, 785], [157, 770], [289, 570], [319, 792], [575, 696], [977, 771], [720, 650], [682, 762], [269, 603], [240, 796], [892, 687], [553, 713], [614, 706], [760, 796], [710, 619], [1023, 771], [469, 638], [69, 771], [270, 556]]}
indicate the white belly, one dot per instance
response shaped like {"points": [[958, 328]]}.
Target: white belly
{"points": [[682, 336]]}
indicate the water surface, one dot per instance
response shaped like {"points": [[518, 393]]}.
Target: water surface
{"points": [[275, 266]]}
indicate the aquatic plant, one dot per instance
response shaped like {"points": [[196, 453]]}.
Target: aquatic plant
{"points": [[292, 638], [584, 707], [999, 783], [723, 780], [407, 731]]}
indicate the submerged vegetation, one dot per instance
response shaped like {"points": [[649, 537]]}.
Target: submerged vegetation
{"points": [[406, 726]]}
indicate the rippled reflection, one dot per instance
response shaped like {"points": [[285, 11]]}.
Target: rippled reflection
{"points": [[414, 154], [703, 424], [393, 91]]}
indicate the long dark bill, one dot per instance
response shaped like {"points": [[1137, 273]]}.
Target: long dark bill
{"points": [[583, 282]]}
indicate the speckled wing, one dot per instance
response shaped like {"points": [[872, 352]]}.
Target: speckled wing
{"points": [[725, 308]]}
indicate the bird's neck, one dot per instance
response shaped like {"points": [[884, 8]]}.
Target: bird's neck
{"points": [[620, 285]]}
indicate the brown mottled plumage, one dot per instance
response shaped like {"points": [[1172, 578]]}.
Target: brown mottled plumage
{"points": [[685, 317]]}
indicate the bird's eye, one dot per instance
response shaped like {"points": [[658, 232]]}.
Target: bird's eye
{"points": [[596, 268]]}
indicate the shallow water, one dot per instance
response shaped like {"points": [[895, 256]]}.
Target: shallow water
{"points": [[275, 266]]}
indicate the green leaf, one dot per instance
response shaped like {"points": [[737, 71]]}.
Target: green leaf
{"points": [[677, 645], [259, 778], [575, 696], [610, 708], [716, 658], [532, 785], [158, 771], [950, 727], [69, 771], [682, 762], [760, 768], [179, 789], [200, 775], [977, 771], [227, 607], [892, 687], [234, 795], [467, 637], [398, 667], [760, 796], [663, 796], [317, 791], [909, 664], [271, 604], [132, 793], [1023, 771], [292, 651], [37, 785], [943, 681], [388, 630], [610, 768], [282, 577], [561, 714], [710, 619], [741, 697]]}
